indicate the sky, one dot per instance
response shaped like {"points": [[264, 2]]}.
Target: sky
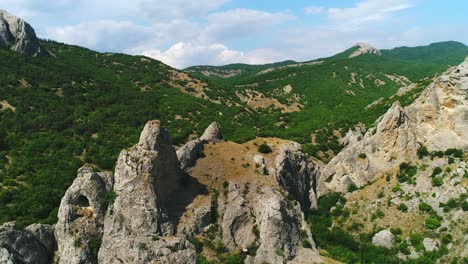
{"points": [[184, 33]]}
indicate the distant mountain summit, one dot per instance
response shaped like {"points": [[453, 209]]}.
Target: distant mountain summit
{"points": [[19, 36], [364, 48]]}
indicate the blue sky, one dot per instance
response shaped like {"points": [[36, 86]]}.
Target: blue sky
{"points": [[182, 33]]}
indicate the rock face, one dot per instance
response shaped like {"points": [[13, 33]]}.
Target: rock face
{"points": [[437, 120], [19, 36], [263, 216], [295, 173], [190, 152], [23, 246], [384, 238], [81, 216], [149, 208], [364, 48], [145, 176]]}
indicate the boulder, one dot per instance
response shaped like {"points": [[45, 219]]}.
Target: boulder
{"points": [[384, 238], [45, 235], [431, 244], [21, 246]]}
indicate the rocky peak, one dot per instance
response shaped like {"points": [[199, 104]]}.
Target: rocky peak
{"points": [[437, 119], [19, 36], [190, 152], [364, 48], [212, 133]]}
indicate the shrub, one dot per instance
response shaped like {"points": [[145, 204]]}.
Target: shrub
{"points": [[416, 239], [362, 155], [197, 243], [422, 152], [402, 207], [233, 259], [381, 194], [403, 247], [264, 148], [432, 223], [396, 188], [446, 239], [395, 231], [452, 203], [352, 187], [436, 171], [202, 259], [306, 243], [424, 207], [457, 153], [437, 182], [464, 206]]}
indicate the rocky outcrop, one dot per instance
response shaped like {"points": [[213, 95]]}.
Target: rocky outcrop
{"points": [[384, 238], [295, 173], [81, 216], [437, 120], [364, 48], [262, 215], [190, 152], [23, 246], [145, 177], [19, 36]]}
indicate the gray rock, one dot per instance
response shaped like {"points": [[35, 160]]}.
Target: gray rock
{"points": [[21, 246], [436, 120], [19, 36], [212, 133], [190, 152], [431, 244], [81, 216], [137, 224], [265, 217], [45, 235], [384, 238], [295, 173]]}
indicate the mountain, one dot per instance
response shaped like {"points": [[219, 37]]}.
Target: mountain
{"points": [[19, 36], [312, 99], [293, 166], [206, 203]]}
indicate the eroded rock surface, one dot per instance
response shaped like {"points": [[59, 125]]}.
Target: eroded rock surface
{"points": [[19, 36], [22, 246], [437, 120], [295, 173], [145, 177], [81, 216], [261, 215], [190, 152]]}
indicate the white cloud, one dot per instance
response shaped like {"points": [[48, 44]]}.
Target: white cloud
{"points": [[159, 10], [313, 10], [102, 35], [183, 54], [368, 11], [239, 23]]}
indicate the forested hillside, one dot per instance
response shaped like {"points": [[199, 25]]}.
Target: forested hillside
{"points": [[79, 106]]}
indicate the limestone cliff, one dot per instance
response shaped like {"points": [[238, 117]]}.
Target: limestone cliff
{"points": [[437, 120], [19, 36]]}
